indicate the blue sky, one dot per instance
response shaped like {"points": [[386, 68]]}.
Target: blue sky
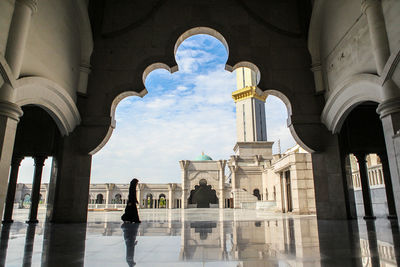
{"points": [[183, 114]]}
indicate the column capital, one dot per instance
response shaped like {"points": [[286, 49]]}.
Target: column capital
{"points": [[221, 164], [39, 160], [32, 4], [233, 168], [316, 67], [360, 156], [389, 107], [16, 160], [10, 110], [85, 67], [184, 164], [369, 3]]}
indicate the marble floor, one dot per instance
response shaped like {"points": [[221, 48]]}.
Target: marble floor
{"points": [[200, 237]]}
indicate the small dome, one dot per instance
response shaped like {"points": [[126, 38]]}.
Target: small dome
{"points": [[203, 157]]}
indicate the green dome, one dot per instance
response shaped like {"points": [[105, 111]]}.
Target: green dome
{"points": [[203, 157]]}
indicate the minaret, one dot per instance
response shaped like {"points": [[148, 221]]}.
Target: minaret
{"points": [[250, 109]]}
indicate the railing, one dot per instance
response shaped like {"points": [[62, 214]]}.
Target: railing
{"points": [[106, 206], [375, 177]]}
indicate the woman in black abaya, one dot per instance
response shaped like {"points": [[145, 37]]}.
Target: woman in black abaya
{"points": [[131, 213]]}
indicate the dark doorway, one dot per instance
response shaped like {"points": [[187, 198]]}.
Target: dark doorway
{"points": [[203, 195], [149, 201], [368, 181], [99, 199]]}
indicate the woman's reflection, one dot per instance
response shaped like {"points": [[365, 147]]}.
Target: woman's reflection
{"points": [[130, 233]]}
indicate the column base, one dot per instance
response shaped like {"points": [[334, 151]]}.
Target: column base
{"points": [[392, 217], [7, 221], [369, 217], [32, 221]]}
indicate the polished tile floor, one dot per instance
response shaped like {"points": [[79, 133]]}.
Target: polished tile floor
{"points": [[200, 237]]}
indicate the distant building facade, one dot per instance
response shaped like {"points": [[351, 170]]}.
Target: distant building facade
{"points": [[257, 179]]}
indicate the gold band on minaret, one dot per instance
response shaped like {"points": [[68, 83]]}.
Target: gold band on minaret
{"points": [[247, 92]]}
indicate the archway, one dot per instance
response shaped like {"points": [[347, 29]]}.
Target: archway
{"points": [[202, 195], [149, 201], [99, 199], [162, 201], [35, 145], [363, 151], [118, 199]]}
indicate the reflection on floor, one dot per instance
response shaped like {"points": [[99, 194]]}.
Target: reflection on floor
{"points": [[200, 237]]}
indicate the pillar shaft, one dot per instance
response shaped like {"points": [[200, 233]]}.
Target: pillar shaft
{"points": [[18, 34], [12, 186], [377, 32], [389, 109], [171, 191], [388, 186], [139, 197], [366, 191], [283, 192], [9, 117], [221, 184], [37, 178], [10, 112]]}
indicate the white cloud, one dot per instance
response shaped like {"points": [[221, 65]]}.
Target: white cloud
{"points": [[181, 88]]}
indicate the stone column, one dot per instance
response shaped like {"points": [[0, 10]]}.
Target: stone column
{"points": [[140, 195], [37, 178], [12, 186], [329, 185], [9, 111], [69, 186], [347, 173], [18, 34], [221, 183], [107, 200], [388, 186], [366, 192], [233, 168], [389, 109], [283, 192], [184, 165], [171, 193]]}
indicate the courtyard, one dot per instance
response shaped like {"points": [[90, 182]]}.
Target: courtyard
{"points": [[199, 237]]}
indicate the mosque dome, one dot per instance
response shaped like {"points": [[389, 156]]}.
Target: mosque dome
{"points": [[203, 157]]}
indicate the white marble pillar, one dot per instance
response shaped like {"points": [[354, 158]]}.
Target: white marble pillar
{"points": [[171, 194], [234, 169], [109, 193], [221, 183], [283, 192], [184, 165], [139, 195], [389, 109]]}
